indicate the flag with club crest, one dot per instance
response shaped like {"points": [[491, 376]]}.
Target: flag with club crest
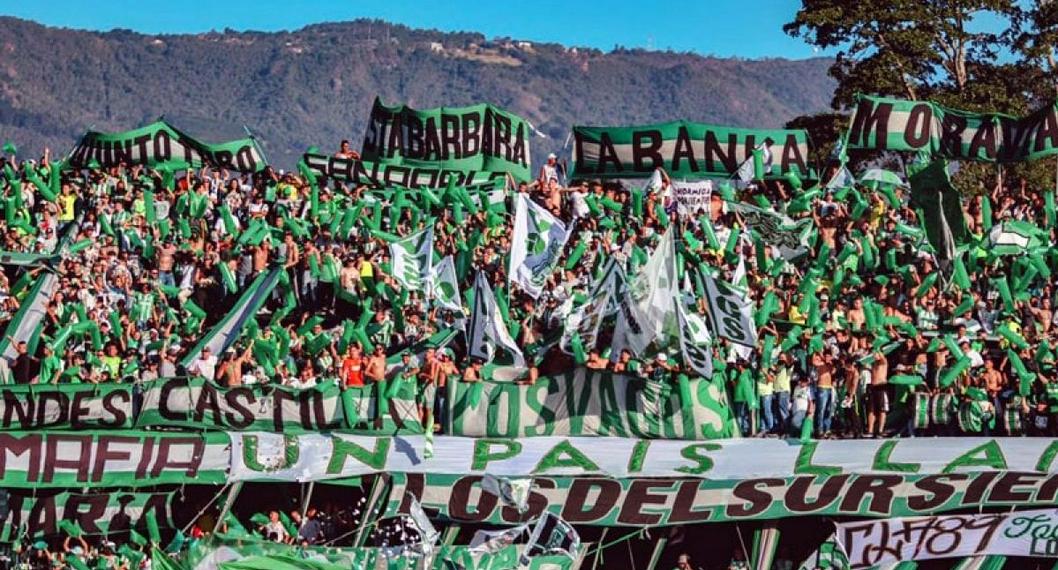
{"points": [[551, 535], [413, 260], [586, 319], [538, 240], [444, 286]]}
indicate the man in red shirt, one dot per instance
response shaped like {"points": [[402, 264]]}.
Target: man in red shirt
{"points": [[353, 367]]}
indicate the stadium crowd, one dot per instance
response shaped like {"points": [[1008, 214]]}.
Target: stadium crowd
{"points": [[860, 334]]}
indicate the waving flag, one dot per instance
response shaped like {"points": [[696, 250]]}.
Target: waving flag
{"points": [[538, 241], [443, 285], [487, 328], [413, 260]]}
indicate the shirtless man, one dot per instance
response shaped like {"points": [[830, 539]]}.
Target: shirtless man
{"points": [[375, 373], [856, 317], [350, 276], [1043, 315], [596, 362], [230, 370], [260, 256], [376, 366], [993, 380], [823, 362], [878, 395], [166, 260], [473, 372]]}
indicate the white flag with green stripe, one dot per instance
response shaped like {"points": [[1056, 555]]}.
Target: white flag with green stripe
{"points": [[444, 286], [413, 260]]}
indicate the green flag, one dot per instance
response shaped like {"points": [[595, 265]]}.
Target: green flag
{"points": [[933, 194]]}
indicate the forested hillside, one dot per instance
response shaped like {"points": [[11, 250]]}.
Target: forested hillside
{"points": [[315, 86]]}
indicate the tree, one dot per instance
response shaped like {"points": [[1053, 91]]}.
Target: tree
{"points": [[938, 50], [1035, 43], [915, 49], [823, 132]]}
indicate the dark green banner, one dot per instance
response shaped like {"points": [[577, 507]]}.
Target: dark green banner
{"points": [[203, 405], [382, 175], [478, 138], [588, 403], [160, 145], [881, 123]]}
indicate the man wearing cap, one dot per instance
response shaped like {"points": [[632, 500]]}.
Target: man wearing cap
{"points": [[660, 369], [552, 171]]}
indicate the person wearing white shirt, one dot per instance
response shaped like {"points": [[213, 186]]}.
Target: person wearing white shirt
{"points": [[205, 365]]}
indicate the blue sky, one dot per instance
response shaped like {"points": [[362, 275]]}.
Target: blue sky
{"points": [[750, 29]]}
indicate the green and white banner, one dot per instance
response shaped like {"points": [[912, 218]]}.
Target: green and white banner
{"points": [[730, 312], [310, 457], [538, 240], [160, 145], [648, 312], [224, 334], [229, 552], [694, 342], [391, 406], [203, 405], [637, 502], [25, 326], [1021, 533], [585, 320], [684, 149], [111, 459], [775, 229], [412, 259], [65, 406], [881, 123], [98, 513], [1015, 237], [588, 403], [476, 138], [388, 175]]}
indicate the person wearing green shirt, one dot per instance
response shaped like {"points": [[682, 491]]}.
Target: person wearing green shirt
{"points": [[111, 360], [744, 397], [976, 415], [50, 366]]}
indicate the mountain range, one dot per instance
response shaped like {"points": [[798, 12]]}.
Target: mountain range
{"points": [[314, 86]]}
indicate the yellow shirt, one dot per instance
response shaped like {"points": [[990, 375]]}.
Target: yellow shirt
{"points": [[367, 270], [66, 202], [874, 217]]}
